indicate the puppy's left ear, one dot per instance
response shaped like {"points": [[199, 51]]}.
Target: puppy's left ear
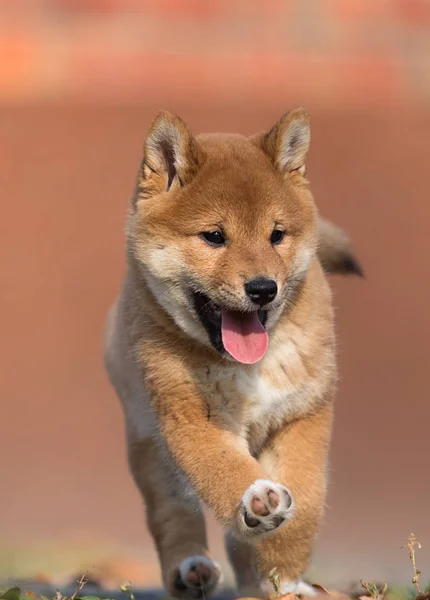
{"points": [[287, 143]]}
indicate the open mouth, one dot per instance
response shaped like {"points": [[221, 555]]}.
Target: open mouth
{"points": [[241, 334]]}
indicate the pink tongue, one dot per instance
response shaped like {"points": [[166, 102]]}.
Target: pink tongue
{"points": [[243, 336]]}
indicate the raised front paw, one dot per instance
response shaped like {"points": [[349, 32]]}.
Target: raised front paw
{"points": [[265, 507]]}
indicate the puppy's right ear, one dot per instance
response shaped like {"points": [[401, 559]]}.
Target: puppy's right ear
{"points": [[170, 156]]}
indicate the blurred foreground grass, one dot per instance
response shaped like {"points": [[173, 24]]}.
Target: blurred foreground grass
{"points": [[366, 591]]}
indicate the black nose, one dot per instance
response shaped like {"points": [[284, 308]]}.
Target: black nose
{"points": [[261, 290]]}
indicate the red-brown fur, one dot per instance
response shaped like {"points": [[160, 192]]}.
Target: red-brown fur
{"points": [[199, 424]]}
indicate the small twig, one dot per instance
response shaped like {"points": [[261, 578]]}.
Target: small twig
{"points": [[127, 589], [81, 582], [373, 590], [412, 545], [369, 587], [275, 581]]}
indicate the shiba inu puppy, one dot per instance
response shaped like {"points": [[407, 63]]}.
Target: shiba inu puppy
{"points": [[221, 349]]}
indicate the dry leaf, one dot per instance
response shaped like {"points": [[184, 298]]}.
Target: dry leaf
{"points": [[320, 588]]}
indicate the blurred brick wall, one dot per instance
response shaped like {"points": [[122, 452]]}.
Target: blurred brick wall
{"points": [[353, 53]]}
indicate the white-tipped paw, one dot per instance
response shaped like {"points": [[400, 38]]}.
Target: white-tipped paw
{"points": [[265, 506], [299, 588], [197, 577]]}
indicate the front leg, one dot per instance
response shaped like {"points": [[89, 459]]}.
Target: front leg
{"points": [[217, 460], [296, 455]]}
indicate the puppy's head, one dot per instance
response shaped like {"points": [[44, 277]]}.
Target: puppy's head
{"points": [[224, 229]]}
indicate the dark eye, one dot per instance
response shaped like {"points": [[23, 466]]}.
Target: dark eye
{"points": [[214, 238], [277, 237]]}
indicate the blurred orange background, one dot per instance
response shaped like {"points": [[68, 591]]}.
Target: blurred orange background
{"points": [[80, 81]]}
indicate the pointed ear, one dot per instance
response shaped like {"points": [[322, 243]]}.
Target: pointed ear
{"points": [[170, 155], [287, 143]]}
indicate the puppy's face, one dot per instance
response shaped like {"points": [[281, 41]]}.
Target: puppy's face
{"points": [[224, 228]]}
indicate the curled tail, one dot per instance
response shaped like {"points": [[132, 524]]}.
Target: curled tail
{"points": [[335, 250]]}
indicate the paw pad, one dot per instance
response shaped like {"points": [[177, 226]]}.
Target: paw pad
{"points": [[266, 505], [196, 577]]}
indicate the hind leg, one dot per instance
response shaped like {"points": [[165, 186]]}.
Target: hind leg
{"points": [[241, 559], [176, 523]]}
